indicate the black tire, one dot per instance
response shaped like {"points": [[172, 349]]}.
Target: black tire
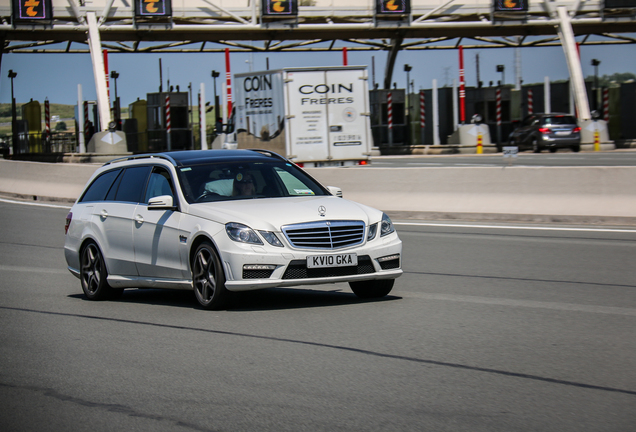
{"points": [[208, 278], [93, 274], [576, 148], [535, 145], [553, 149], [372, 288]]}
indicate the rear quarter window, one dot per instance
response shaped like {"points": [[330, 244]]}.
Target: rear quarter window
{"points": [[100, 186]]}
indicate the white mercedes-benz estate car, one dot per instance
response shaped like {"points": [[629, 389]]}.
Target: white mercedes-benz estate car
{"points": [[215, 221]]}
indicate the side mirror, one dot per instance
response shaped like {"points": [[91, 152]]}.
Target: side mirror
{"points": [[335, 191], [162, 202]]}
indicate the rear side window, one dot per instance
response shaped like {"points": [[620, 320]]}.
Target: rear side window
{"points": [[99, 188], [132, 184], [559, 120]]}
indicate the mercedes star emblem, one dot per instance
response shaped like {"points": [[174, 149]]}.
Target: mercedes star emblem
{"points": [[322, 210]]}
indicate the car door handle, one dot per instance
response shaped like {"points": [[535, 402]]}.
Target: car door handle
{"points": [[139, 219], [103, 214]]}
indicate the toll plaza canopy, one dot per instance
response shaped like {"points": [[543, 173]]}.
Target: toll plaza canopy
{"points": [[159, 26]]}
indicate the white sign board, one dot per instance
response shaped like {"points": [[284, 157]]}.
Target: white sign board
{"points": [[510, 151]]}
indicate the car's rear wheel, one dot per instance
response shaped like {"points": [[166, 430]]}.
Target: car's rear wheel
{"points": [[535, 145], [93, 274], [553, 149], [372, 288], [576, 148], [208, 278]]}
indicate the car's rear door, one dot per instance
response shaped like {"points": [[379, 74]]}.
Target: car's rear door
{"points": [[113, 217]]}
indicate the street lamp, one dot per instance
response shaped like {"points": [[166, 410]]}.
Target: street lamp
{"points": [[595, 63], [14, 115], [114, 75], [407, 69], [215, 75], [502, 69]]}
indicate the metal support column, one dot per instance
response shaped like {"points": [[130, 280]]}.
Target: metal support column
{"points": [[204, 138], [574, 63], [95, 45]]}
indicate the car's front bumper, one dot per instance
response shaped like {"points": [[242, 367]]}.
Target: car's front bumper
{"points": [[290, 266]]}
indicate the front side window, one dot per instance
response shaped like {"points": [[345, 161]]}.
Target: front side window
{"points": [[159, 183], [245, 180]]}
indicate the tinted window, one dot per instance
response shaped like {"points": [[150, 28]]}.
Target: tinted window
{"points": [[99, 188], [559, 120], [132, 184]]}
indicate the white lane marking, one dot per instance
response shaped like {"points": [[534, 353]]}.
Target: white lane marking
{"points": [[512, 227], [23, 269], [612, 310], [34, 204]]}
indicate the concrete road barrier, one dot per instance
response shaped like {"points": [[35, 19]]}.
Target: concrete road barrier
{"points": [[569, 194]]}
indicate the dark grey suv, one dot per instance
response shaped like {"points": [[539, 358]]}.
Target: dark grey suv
{"points": [[547, 131]]}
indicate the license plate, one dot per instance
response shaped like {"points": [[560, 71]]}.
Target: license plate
{"points": [[339, 260], [563, 133]]}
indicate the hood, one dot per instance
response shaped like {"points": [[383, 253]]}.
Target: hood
{"points": [[272, 213]]}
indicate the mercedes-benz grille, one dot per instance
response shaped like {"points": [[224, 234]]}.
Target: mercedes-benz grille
{"points": [[325, 234]]}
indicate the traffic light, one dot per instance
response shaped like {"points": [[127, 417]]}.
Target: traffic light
{"points": [[153, 8], [279, 8], [511, 5], [32, 10], [392, 7]]}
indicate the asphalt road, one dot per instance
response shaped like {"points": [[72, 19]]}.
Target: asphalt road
{"points": [[525, 159], [489, 329]]}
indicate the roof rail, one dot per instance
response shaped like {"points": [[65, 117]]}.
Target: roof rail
{"points": [[143, 156], [270, 153]]}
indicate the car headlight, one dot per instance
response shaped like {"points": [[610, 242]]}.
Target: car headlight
{"points": [[373, 230], [242, 233], [386, 226], [271, 238]]}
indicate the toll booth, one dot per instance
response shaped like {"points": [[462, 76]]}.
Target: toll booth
{"points": [[32, 115], [136, 127], [179, 138], [378, 100]]}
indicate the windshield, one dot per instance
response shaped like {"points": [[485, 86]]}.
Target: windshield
{"points": [[245, 180]]}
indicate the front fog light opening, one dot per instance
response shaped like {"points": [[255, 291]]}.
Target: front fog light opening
{"points": [[259, 267], [389, 262]]}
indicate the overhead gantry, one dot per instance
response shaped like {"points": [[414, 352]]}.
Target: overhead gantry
{"points": [[314, 25]]}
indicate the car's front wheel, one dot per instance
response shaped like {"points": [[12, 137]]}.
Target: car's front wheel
{"points": [[372, 288], [208, 278], [93, 274]]}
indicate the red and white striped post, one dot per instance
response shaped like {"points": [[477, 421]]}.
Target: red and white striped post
{"points": [[389, 112], [47, 124], [530, 103], [422, 115], [462, 87], [606, 104], [498, 95], [345, 58], [168, 125], [86, 120], [228, 81]]}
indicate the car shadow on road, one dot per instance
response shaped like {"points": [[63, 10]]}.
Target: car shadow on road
{"points": [[258, 300]]}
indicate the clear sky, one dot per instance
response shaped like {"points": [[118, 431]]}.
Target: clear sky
{"points": [[56, 76]]}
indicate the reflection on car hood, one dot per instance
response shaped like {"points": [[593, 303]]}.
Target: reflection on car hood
{"points": [[272, 213]]}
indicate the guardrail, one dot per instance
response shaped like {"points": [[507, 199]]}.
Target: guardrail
{"points": [[541, 194]]}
